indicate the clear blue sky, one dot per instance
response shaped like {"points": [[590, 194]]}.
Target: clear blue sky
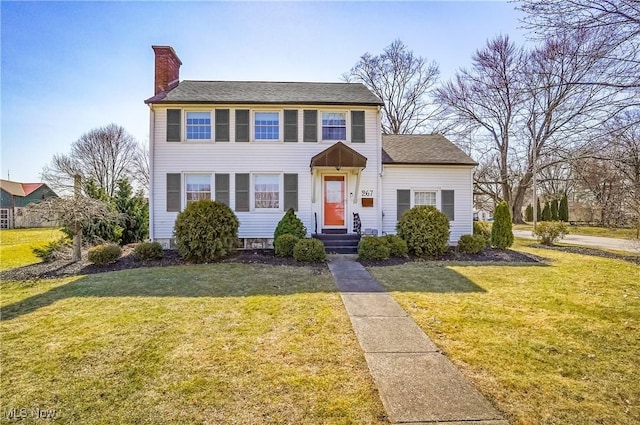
{"points": [[69, 67]]}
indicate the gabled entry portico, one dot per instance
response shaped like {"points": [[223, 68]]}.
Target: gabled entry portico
{"points": [[332, 169]]}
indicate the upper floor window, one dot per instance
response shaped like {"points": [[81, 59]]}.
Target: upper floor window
{"points": [[267, 126], [198, 187], [198, 125], [334, 126]]}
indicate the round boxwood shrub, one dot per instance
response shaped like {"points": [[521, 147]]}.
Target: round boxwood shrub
{"points": [[290, 224], [206, 231], [501, 231], [426, 231], [373, 248], [471, 244], [548, 232], [284, 245], [397, 246], [101, 255], [149, 251], [483, 228], [309, 250]]}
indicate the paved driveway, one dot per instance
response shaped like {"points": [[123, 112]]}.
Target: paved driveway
{"points": [[593, 241]]}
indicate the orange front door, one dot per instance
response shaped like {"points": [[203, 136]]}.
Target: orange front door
{"points": [[334, 201]]}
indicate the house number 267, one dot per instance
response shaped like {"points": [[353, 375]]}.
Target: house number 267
{"points": [[366, 193]]}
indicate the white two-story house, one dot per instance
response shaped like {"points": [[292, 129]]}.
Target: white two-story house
{"points": [[265, 147]]}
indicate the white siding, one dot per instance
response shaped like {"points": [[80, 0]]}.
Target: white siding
{"points": [[430, 177], [260, 157]]}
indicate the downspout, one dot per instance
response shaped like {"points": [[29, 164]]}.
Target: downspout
{"points": [[152, 116]]}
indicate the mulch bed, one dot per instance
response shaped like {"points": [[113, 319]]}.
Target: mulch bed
{"points": [[64, 267]]}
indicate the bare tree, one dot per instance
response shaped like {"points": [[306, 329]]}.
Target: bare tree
{"points": [[141, 168], [402, 81], [106, 155], [614, 22], [529, 106]]}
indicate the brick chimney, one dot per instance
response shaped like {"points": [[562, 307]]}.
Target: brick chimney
{"points": [[167, 68]]}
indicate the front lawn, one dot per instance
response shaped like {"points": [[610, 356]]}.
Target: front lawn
{"points": [[210, 344], [16, 245], [549, 344]]}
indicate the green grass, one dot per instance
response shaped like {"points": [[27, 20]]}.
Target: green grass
{"points": [[605, 232], [224, 343], [16, 245], [549, 344]]}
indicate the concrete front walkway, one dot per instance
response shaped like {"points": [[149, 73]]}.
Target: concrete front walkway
{"points": [[589, 241], [417, 384]]}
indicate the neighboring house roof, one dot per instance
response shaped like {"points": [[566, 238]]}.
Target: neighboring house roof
{"points": [[262, 92], [19, 189], [423, 149]]}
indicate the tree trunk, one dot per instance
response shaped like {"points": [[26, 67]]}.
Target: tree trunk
{"points": [[77, 227]]}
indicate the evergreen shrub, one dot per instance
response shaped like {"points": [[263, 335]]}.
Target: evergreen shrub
{"points": [[206, 231], [284, 245], [290, 224], [471, 244], [101, 255], [309, 250], [426, 231], [373, 248], [397, 246], [502, 231], [149, 251], [549, 232]]}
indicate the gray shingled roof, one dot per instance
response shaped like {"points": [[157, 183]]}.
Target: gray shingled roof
{"points": [[422, 149], [260, 92]]}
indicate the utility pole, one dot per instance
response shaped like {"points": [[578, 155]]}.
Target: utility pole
{"points": [[534, 196]]}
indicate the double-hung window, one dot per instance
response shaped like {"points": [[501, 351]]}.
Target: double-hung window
{"points": [[198, 186], [424, 197], [266, 126], [266, 191], [334, 126], [198, 125]]}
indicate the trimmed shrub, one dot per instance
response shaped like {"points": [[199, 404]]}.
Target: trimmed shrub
{"points": [[546, 212], [52, 249], [501, 231], [425, 229], [549, 232], [483, 228], [149, 251], [563, 209], [373, 248], [206, 231], [309, 250], [397, 246], [528, 213], [554, 210], [471, 244], [290, 224], [101, 255], [284, 245]]}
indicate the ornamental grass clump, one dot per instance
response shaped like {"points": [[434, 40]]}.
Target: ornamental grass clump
{"points": [[549, 232], [426, 231], [206, 231]]}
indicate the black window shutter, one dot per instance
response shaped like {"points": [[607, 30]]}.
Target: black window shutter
{"points": [[310, 125], [242, 192], [174, 120], [357, 126], [173, 192], [291, 191], [242, 125], [290, 125], [448, 203], [222, 188], [222, 125], [403, 201]]}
